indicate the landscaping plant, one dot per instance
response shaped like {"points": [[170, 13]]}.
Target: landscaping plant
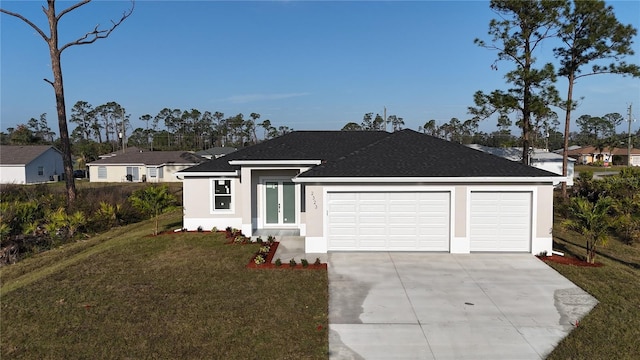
{"points": [[591, 220], [152, 200]]}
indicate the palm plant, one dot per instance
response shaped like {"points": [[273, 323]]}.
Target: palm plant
{"points": [[591, 220], [152, 200]]}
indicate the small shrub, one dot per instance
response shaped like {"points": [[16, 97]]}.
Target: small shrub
{"points": [[199, 228], [259, 260], [214, 229], [278, 262], [542, 253], [264, 249], [293, 263], [271, 239], [259, 240], [305, 263], [317, 262]]}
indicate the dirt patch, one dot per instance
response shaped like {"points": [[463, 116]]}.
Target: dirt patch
{"points": [[568, 260]]}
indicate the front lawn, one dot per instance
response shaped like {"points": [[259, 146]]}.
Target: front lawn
{"points": [[612, 329], [179, 296]]}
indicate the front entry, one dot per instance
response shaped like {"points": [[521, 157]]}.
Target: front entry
{"points": [[279, 203]]}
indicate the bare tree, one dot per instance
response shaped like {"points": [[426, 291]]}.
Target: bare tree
{"points": [[54, 52]]}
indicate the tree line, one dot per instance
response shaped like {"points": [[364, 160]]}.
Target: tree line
{"points": [[108, 127], [596, 131], [169, 129]]}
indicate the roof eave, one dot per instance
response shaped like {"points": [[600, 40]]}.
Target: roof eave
{"points": [[514, 179], [275, 162], [186, 174]]}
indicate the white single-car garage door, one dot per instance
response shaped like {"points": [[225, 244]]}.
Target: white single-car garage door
{"points": [[388, 221], [500, 221]]}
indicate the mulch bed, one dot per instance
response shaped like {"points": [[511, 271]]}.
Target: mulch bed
{"points": [[568, 260], [269, 265]]}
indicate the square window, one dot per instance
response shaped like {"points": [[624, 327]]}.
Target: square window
{"points": [[222, 196]]}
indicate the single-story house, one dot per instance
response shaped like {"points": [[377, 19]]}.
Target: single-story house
{"points": [[615, 156], [216, 152], [141, 166], [30, 164], [621, 156], [374, 191], [540, 158]]}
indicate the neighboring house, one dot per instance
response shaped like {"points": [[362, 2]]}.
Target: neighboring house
{"points": [[539, 158], [615, 156], [126, 150], [30, 164], [590, 154], [374, 191], [215, 152], [140, 166], [621, 156]]}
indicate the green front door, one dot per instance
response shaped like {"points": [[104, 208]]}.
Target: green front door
{"points": [[280, 202]]}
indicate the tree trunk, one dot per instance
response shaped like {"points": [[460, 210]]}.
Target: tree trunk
{"points": [[58, 88], [567, 125]]}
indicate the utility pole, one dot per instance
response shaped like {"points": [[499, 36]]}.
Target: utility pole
{"points": [[385, 118], [629, 139], [124, 136]]}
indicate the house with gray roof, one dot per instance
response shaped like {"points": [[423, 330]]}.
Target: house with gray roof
{"points": [[141, 166], [216, 152], [540, 158], [374, 191], [30, 164]]}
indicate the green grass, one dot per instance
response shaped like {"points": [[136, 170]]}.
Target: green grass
{"points": [[125, 294], [612, 329], [580, 168]]}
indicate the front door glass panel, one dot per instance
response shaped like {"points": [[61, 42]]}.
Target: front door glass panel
{"points": [[272, 204], [288, 203]]}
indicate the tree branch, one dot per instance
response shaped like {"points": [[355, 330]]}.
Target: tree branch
{"points": [[34, 26], [71, 8], [49, 81], [96, 34]]}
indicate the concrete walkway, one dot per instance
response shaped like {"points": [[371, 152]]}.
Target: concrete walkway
{"points": [[444, 306]]}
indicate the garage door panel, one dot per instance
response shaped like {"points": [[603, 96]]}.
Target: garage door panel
{"points": [[342, 208], [500, 221], [388, 221], [369, 219]]}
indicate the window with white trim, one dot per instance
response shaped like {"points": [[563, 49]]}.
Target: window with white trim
{"points": [[222, 195], [153, 172], [102, 172]]}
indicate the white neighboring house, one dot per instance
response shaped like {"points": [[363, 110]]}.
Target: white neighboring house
{"points": [[540, 159], [141, 166], [216, 152], [30, 164]]}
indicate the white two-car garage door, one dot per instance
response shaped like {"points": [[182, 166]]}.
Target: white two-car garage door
{"points": [[388, 221], [500, 221]]}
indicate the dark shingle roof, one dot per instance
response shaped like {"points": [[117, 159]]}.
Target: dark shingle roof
{"points": [[21, 154], [150, 158], [297, 145], [405, 153]]}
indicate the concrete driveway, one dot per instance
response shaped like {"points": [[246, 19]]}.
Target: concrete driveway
{"points": [[444, 306]]}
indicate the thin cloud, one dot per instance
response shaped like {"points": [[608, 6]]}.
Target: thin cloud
{"points": [[246, 98]]}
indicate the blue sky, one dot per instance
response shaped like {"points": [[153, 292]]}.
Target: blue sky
{"points": [[307, 65]]}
